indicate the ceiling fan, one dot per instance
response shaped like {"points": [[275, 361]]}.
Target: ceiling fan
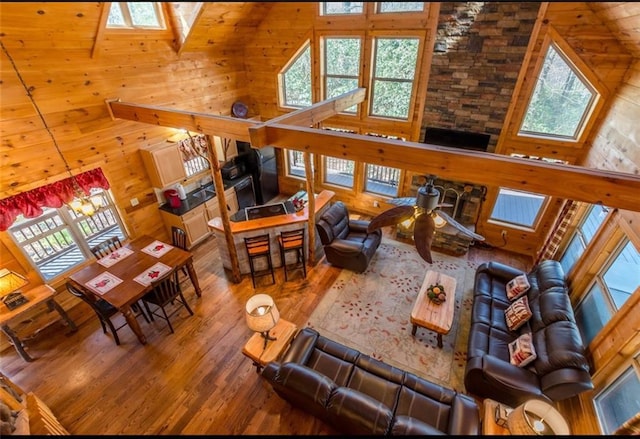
{"points": [[425, 210]]}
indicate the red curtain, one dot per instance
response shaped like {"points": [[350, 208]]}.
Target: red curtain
{"points": [[56, 194]]}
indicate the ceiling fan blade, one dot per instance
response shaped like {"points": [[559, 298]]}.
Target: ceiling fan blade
{"points": [[403, 201], [460, 227], [391, 217], [423, 231]]}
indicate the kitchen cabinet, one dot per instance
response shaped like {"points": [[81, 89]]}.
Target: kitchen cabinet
{"points": [[164, 164], [194, 223], [232, 200]]}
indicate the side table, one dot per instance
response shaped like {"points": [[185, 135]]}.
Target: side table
{"points": [[284, 332], [489, 425], [36, 296]]}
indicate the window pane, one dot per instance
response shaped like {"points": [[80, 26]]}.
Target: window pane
{"points": [[623, 276], [558, 91], [572, 253], [186, 13], [583, 236], [382, 180], [396, 58], [297, 81], [295, 163], [391, 99], [590, 226], [619, 401], [329, 8], [519, 208], [592, 314], [116, 18], [400, 7], [339, 171], [143, 14], [343, 56]]}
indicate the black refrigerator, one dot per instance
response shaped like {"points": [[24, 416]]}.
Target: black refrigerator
{"points": [[261, 165]]}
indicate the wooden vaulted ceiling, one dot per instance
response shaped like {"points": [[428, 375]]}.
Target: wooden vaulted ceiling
{"points": [[232, 24]]}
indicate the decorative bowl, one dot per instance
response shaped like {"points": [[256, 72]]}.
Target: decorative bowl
{"points": [[436, 294]]}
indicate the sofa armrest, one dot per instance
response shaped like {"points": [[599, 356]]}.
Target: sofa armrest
{"points": [[359, 226], [408, 426], [566, 383], [346, 247], [499, 270], [302, 346], [465, 416]]}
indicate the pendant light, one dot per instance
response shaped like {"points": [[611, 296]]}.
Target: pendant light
{"points": [[82, 203]]}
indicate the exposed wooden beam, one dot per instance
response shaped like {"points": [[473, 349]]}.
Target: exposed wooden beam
{"points": [[613, 189], [221, 126]]}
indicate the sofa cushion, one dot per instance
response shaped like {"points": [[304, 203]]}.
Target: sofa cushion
{"points": [[377, 379], [517, 286], [521, 351], [354, 412], [333, 360], [518, 313], [406, 425]]}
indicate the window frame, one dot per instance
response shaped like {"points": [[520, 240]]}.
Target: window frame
{"points": [[282, 98], [582, 70], [501, 222], [323, 75], [578, 234], [130, 26], [631, 365], [72, 223]]}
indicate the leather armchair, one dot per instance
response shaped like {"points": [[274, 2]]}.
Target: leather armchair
{"points": [[346, 242]]}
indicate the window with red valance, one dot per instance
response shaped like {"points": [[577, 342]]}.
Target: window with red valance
{"points": [[54, 195]]}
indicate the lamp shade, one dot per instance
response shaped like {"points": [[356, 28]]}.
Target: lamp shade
{"points": [[262, 313], [537, 417], [10, 282]]}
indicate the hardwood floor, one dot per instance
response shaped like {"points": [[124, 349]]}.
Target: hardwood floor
{"points": [[195, 381]]}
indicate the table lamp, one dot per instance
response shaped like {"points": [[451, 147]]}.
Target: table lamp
{"points": [[537, 417], [10, 283], [262, 315]]}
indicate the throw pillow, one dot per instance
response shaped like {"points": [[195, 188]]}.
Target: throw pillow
{"points": [[518, 313], [521, 351], [517, 286]]}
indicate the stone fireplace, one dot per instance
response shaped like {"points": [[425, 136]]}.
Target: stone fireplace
{"points": [[465, 199]]}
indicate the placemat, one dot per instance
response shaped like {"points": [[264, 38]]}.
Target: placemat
{"points": [[151, 274], [115, 256], [103, 282], [157, 248]]}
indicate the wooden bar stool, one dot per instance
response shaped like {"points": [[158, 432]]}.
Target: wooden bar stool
{"points": [[292, 241], [259, 247]]}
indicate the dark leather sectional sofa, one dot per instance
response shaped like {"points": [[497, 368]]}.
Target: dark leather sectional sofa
{"points": [[560, 370], [357, 394]]}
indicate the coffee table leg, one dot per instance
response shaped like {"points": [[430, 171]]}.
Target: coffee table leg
{"points": [[413, 331], [440, 341], [17, 343]]}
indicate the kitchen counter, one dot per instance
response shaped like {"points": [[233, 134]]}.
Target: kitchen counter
{"points": [[192, 201], [271, 225]]}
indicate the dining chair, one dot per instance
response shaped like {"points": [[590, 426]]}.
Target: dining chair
{"points": [[103, 309], [105, 247], [165, 291], [179, 239]]}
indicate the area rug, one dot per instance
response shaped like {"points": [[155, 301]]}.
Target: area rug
{"points": [[370, 312]]}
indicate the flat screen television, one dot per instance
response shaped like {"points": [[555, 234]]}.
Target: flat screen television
{"points": [[457, 139]]}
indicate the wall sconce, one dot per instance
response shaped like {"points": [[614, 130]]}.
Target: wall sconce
{"points": [[262, 315], [440, 47]]}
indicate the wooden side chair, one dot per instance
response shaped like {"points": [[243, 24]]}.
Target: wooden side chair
{"points": [[292, 242], [179, 239], [166, 291], [103, 309], [259, 247], [106, 247]]}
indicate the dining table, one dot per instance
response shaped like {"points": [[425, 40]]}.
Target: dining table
{"points": [[125, 275]]}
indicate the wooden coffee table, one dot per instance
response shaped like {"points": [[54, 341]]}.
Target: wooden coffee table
{"points": [[284, 332], [429, 315]]}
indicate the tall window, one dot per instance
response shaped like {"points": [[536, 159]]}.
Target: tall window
{"points": [[135, 15], [296, 80], [341, 8], [612, 286], [341, 67], [382, 180], [560, 90], [393, 74], [339, 171], [517, 208], [592, 221], [619, 401], [383, 7], [295, 163], [60, 239]]}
